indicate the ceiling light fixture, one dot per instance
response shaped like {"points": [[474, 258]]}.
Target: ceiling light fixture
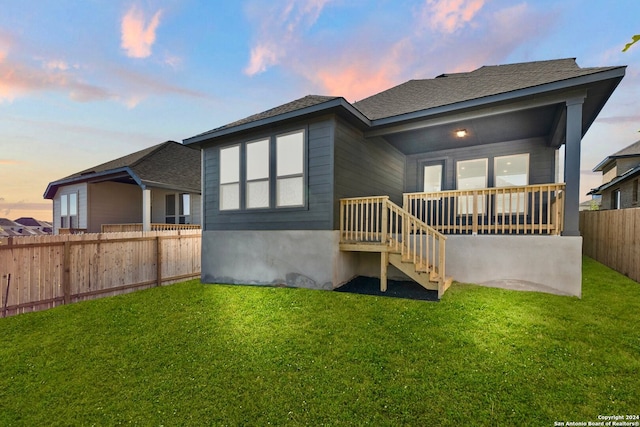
{"points": [[461, 133]]}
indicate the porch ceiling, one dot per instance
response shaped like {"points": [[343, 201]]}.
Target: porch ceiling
{"points": [[512, 126]]}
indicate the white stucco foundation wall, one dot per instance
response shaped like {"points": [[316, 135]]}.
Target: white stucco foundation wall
{"points": [[542, 263], [298, 258]]}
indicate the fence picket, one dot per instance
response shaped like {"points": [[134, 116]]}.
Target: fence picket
{"points": [[50, 270]]}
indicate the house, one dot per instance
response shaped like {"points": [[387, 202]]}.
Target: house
{"points": [[453, 177], [40, 227], [10, 228], [145, 190], [620, 176]]}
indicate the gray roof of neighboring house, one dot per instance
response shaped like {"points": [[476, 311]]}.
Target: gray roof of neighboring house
{"points": [[479, 86], [168, 165], [32, 222], [631, 173], [632, 150], [4, 222]]}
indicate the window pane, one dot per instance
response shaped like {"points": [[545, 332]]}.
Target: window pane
{"points": [[290, 156], [230, 196], [185, 204], [432, 178], [472, 174], [258, 194], [64, 205], [290, 192], [170, 204], [73, 204], [258, 160], [230, 164], [512, 170]]}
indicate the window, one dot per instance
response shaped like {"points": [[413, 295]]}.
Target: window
{"points": [[471, 174], [511, 171], [264, 174], [615, 199], [69, 210], [290, 169], [183, 208], [258, 174], [170, 209], [230, 178], [432, 178]]}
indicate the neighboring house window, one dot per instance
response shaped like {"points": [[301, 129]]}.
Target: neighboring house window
{"points": [[471, 175], [230, 178], [511, 171], [290, 169], [257, 192], [183, 208], [615, 199], [432, 178], [69, 210], [634, 193]]}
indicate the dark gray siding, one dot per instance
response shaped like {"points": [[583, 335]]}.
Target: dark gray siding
{"points": [[365, 167], [541, 162], [317, 215]]}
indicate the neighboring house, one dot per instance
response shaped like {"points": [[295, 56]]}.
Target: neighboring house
{"points": [[158, 185], [40, 227], [302, 194], [620, 176], [591, 205], [10, 228]]}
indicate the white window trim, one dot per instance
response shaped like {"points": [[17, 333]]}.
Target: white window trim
{"points": [[257, 180], [301, 174], [463, 201], [520, 199], [223, 184]]}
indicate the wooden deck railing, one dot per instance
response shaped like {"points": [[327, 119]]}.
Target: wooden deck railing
{"points": [[124, 228], [531, 209], [367, 221]]}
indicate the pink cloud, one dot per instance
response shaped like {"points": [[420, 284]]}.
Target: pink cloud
{"points": [[281, 25], [9, 162], [137, 35], [450, 15]]}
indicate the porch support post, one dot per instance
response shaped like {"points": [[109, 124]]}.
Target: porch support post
{"points": [[572, 166], [384, 263], [146, 209]]}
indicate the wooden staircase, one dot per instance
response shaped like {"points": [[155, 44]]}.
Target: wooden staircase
{"points": [[375, 224]]}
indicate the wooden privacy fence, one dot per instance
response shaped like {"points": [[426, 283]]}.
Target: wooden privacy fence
{"points": [[37, 273], [612, 237]]}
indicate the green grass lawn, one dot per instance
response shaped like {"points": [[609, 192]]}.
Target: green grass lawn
{"points": [[191, 354]]}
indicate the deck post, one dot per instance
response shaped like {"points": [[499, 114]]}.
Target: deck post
{"points": [[385, 220], [384, 263]]}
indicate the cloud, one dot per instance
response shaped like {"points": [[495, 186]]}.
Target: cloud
{"points": [[9, 162], [281, 24], [137, 35], [375, 60], [448, 16]]}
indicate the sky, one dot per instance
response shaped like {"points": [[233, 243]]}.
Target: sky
{"points": [[87, 81]]}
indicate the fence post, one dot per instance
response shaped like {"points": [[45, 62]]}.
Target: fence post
{"points": [[66, 272], [158, 261]]}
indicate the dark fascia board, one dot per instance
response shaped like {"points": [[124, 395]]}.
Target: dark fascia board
{"points": [[616, 73], [627, 175], [102, 176], [337, 103]]}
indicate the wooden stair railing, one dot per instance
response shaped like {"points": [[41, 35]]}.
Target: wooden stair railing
{"points": [[376, 224]]}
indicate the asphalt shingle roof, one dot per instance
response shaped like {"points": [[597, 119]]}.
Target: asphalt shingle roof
{"points": [[298, 104], [630, 150], [169, 164], [416, 95]]}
